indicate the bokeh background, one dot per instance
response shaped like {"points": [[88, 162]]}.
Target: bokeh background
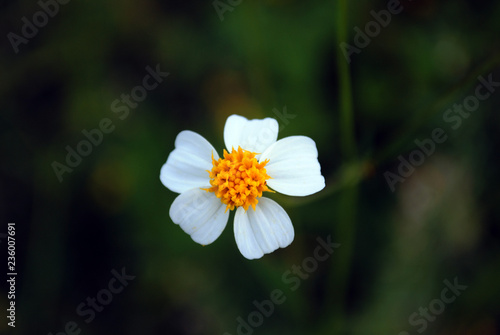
{"points": [[258, 59]]}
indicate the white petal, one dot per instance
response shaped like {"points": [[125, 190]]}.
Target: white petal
{"points": [[293, 166], [187, 165], [252, 135], [200, 214], [262, 231]]}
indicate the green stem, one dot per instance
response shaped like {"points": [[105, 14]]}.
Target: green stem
{"points": [[347, 139], [345, 223]]}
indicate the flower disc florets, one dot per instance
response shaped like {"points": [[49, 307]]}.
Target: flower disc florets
{"points": [[238, 179]]}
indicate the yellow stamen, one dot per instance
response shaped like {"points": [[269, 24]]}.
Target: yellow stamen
{"points": [[238, 179]]}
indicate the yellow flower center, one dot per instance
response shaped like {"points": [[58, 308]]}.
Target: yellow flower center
{"points": [[238, 179]]}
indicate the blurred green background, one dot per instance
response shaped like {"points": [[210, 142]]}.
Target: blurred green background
{"points": [[262, 57]]}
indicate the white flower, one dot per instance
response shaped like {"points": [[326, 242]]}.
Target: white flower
{"points": [[209, 186]]}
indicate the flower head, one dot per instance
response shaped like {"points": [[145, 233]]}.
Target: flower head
{"points": [[238, 179], [254, 162]]}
